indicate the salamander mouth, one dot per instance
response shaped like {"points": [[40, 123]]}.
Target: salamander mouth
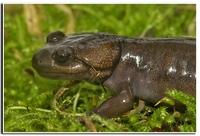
{"points": [[51, 75], [62, 75]]}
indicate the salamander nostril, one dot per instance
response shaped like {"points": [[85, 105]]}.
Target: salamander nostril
{"points": [[40, 61]]}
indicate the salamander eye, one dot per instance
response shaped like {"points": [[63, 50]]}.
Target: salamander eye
{"points": [[63, 56], [55, 37]]}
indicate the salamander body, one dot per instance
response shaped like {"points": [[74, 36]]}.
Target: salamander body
{"points": [[134, 68]]}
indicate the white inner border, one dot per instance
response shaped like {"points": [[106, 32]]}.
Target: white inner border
{"points": [[131, 2]]}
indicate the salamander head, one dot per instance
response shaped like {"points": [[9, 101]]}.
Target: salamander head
{"points": [[87, 56]]}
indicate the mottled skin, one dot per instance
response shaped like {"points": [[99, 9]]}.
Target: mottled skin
{"points": [[132, 67]]}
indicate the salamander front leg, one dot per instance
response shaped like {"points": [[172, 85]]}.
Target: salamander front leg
{"points": [[116, 106]]}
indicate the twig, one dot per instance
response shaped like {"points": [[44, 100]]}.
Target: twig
{"points": [[59, 94], [89, 124]]}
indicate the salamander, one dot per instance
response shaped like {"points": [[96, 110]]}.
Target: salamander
{"points": [[134, 68]]}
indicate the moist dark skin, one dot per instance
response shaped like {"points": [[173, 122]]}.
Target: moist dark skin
{"points": [[134, 68]]}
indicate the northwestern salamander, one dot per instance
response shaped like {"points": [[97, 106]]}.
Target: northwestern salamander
{"points": [[141, 68]]}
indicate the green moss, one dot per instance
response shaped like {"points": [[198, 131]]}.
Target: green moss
{"points": [[28, 97]]}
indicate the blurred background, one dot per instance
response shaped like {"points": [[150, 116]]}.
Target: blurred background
{"points": [[25, 31]]}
